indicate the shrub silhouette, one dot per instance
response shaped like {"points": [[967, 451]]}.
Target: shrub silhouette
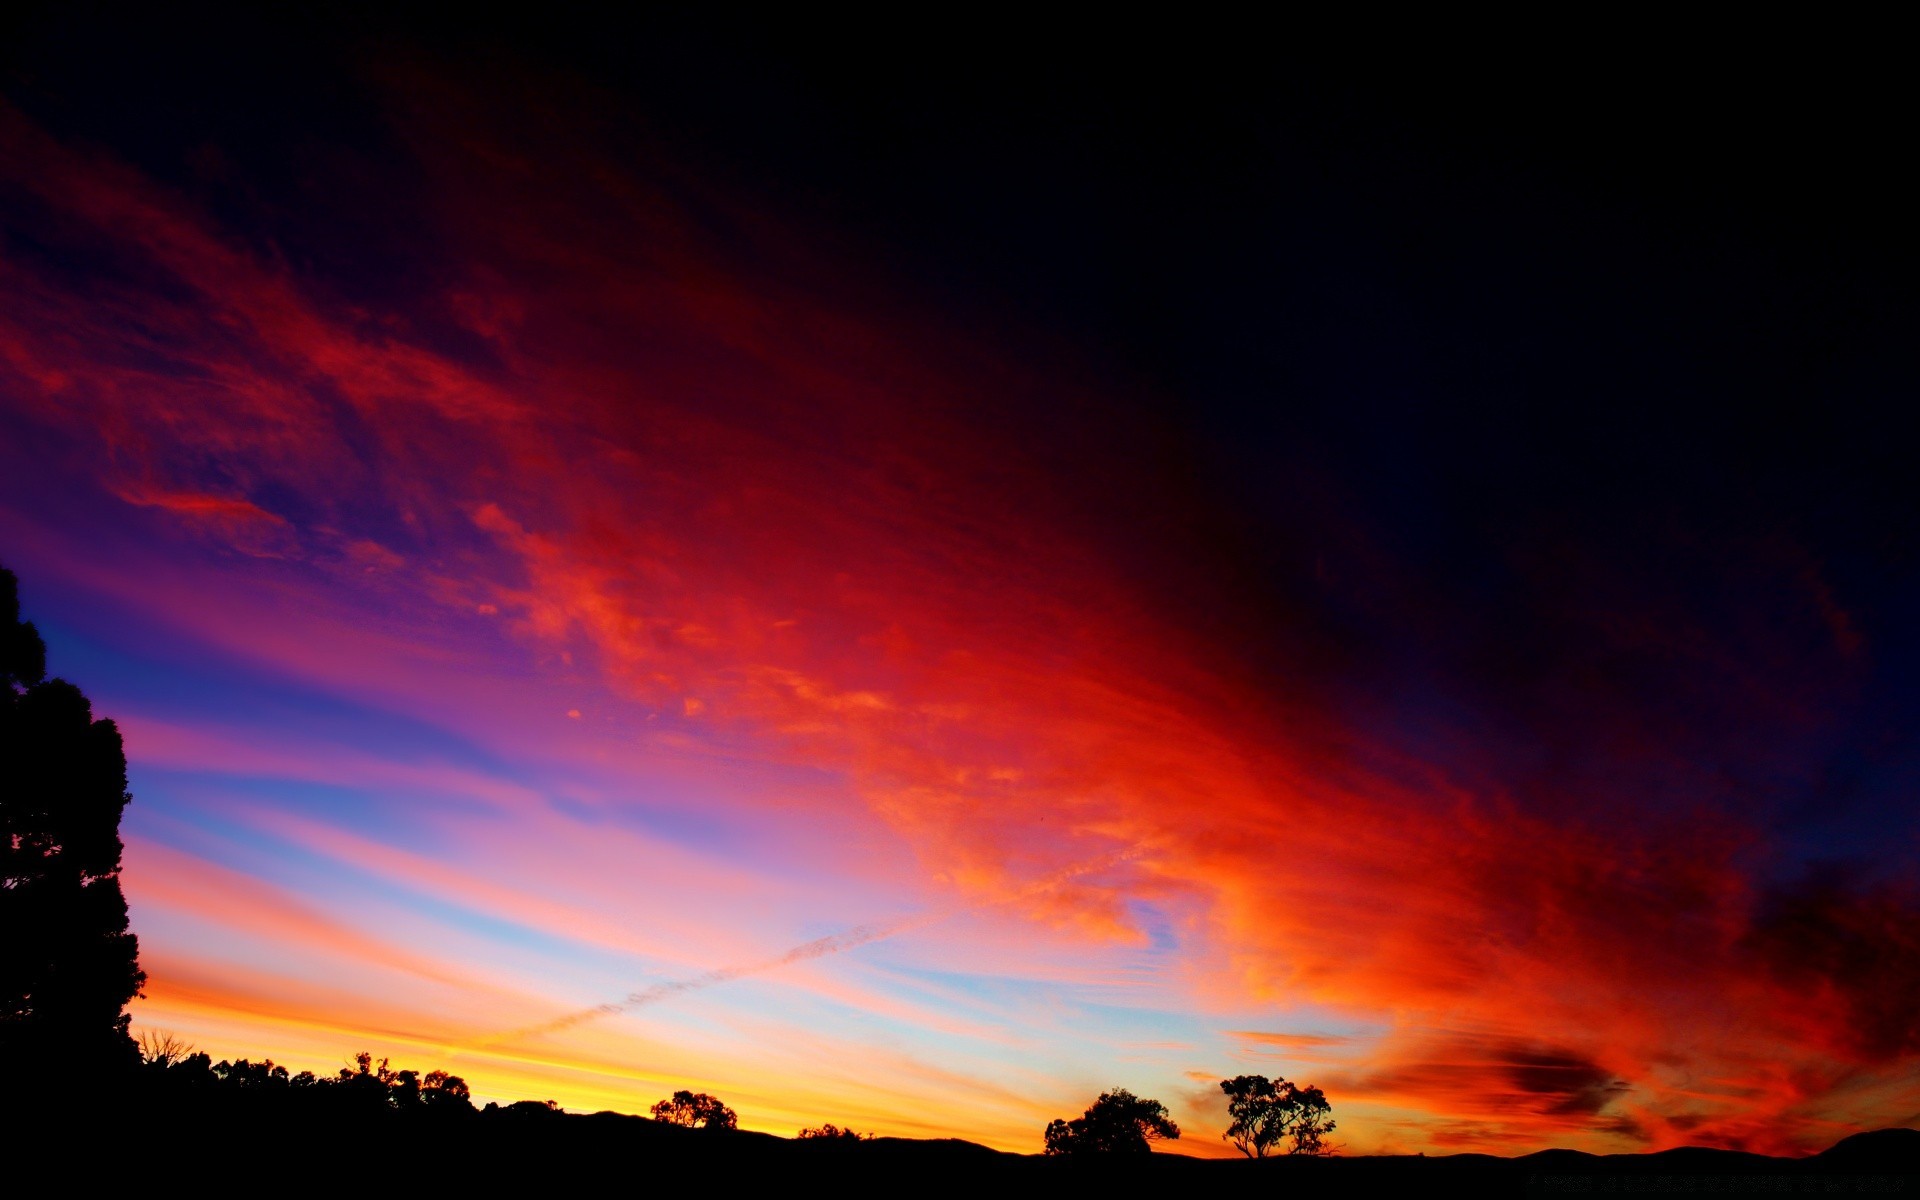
{"points": [[1119, 1122], [695, 1110], [1267, 1113], [68, 964], [830, 1132]]}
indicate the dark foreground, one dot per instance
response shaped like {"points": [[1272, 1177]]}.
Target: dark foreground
{"points": [[271, 1148]]}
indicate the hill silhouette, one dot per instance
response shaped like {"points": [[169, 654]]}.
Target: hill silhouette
{"points": [[1873, 1151], [259, 1132]]}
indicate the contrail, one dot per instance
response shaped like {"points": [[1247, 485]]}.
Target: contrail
{"points": [[834, 943]]}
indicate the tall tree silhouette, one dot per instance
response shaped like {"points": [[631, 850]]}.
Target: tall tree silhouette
{"points": [[68, 965], [1266, 1113]]}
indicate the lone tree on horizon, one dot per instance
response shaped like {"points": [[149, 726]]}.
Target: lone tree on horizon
{"points": [[695, 1110], [1268, 1112], [1119, 1122], [68, 964]]}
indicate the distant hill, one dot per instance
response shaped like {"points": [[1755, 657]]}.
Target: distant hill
{"points": [[1873, 1151]]}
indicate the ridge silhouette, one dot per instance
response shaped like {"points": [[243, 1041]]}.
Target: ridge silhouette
{"points": [[379, 1121]]}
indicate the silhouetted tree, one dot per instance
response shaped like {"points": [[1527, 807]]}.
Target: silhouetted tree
{"points": [[251, 1075], [1267, 1113], [68, 965], [366, 1083], [1119, 1122], [441, 1092], [195, 1070], [830, 1132], [695, 1110], [374, 1084], [160, 1050], [1313, 1124]]}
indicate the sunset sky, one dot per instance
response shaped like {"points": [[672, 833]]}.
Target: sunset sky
{"points": [[1011, 567]]}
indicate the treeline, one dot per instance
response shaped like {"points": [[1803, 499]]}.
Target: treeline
{"points": [[1267, 1115], [171, 1070]]}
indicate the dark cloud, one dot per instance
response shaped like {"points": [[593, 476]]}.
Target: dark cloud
{"points": [[1853, 942], [1575, 1085], [1493, 1075]]}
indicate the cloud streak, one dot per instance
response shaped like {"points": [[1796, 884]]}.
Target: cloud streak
{"points": [[820, 947]]}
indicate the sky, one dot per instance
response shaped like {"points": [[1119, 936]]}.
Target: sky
{"points": [[909, 589]]}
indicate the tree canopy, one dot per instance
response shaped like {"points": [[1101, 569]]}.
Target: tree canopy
{"points": [[1270, 1113], [1119, 1122], [68, 964], [695, 1110]]}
